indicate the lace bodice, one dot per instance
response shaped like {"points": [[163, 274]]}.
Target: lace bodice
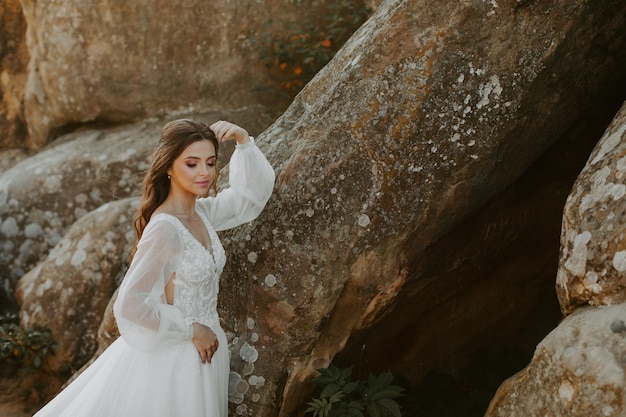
{"points": [[197, 275]]}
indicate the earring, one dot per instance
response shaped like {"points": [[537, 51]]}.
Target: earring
{"points": [[169, 177]]}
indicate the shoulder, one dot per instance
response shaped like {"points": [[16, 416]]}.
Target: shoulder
{"points": [[163, 226]]}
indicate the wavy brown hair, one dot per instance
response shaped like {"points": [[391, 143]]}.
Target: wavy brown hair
{"points": [[174, 139]]}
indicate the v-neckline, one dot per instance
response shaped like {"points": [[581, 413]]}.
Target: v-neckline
{"points": [[210, 251]]}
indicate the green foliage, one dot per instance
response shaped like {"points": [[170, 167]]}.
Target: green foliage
{"points": [[296, 51], [23, 347], [343, 396]]}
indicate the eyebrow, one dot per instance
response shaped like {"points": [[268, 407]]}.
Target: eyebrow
{"points": [[197, 157]]}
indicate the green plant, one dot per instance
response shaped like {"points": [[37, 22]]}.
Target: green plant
{"points": [[23, 347], [344, 396], [295, 51]]}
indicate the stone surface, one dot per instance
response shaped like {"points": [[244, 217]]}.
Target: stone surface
{"points": [[577, 370], [384, 152], [42, 196], [70, 290], [10, 157], [13, 63], [121, 61], [592, 267]]}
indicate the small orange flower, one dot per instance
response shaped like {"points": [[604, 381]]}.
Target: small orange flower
{"points": [[282, 66], [297, 71], [326, 43]]}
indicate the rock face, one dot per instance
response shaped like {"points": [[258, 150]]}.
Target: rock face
{"points": [[122, 61], [76, 282], [578, 369], [13, 62], [592, 267], [42, 196], [384, 152]]}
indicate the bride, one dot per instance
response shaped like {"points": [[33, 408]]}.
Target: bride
{"points": [[172, 357]]}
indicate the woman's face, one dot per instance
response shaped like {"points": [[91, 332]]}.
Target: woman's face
{"points": [[194, 170]]}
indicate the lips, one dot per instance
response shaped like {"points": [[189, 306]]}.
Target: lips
{"points": [[203, 184]]}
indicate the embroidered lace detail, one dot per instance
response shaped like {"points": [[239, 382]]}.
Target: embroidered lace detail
{"points": [[197, 276]]}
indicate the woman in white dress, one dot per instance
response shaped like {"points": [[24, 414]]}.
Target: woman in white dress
{"points": [[172, 359]]}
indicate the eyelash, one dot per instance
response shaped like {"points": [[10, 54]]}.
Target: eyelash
{"points": [[211, 164]]}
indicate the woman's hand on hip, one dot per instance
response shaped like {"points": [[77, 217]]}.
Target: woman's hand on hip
{"points": [[205, 341]]}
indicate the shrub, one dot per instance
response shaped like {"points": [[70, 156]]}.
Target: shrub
{"points": [[295, 51], [23, 347], [344, 396]]}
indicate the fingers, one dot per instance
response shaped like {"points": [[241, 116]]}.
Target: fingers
{"points": [[205, 341], [226, 131], [206, 354]]}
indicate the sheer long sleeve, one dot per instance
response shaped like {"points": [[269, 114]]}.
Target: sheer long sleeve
{"points": [[143, 316], [251, 181]]}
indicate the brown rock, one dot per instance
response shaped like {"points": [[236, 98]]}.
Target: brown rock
{"points": [[71, 289], [423, 116], [592, 267], [122, 61], [42, 196], [13, 63], [577, 370]]}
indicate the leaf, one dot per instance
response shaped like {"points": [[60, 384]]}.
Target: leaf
{"points": [[373, 410], [346, 373], [372, 381], [338, 396], [350, 387], [386, 393], [385, 379], [356, 405], [329, 390], [353, 412], [390, 407], [326, 376]]}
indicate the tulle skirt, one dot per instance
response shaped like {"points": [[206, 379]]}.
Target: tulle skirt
{"points": [[170, 382]]}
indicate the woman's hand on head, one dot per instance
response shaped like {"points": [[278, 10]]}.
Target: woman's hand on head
{"points": [[229, 131], [205, 341]]}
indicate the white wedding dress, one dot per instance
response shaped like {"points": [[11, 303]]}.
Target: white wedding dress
{"points": [[154, 370]]}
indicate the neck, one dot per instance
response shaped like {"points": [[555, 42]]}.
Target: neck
{"points": [[183, 205]]}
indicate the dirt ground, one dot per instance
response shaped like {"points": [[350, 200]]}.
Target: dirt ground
{"points": [[25, 391]]}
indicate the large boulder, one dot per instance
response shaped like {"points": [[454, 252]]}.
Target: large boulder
{"points": [[70, 290], [578, 369], [42, 196], [592, 267], [121, 61], [13, 67], [424, 115]]}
